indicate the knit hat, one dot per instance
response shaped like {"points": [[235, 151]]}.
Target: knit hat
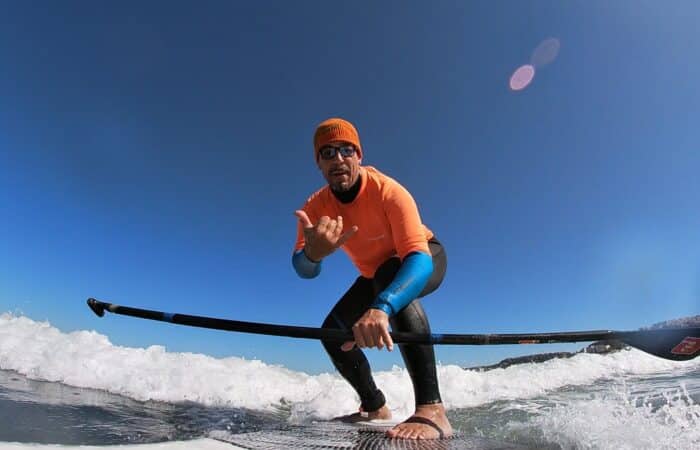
{"points": [[333, 130]]}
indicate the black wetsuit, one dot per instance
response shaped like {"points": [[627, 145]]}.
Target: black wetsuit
{"points": [[419, 359]]}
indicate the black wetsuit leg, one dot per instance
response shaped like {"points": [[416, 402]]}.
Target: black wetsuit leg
{"points": [[353, 364], [419, 359]]}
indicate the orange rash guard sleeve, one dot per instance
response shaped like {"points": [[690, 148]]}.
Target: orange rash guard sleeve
{"points": [[406, 226]]}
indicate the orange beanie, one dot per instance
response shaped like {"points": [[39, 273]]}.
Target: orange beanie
{"points": [[335, 129]]}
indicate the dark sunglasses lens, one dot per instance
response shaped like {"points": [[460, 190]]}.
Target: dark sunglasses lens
{"points": [[330, 152], [327, 152], [346, 151]]}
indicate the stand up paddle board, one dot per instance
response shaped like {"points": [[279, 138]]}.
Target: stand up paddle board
{"points": [[358, 436]]}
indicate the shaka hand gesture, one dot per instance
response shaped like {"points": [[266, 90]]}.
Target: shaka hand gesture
{"points": [[323, 238]]}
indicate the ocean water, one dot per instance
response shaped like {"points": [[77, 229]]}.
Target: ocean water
{"points": [[79, 389]]}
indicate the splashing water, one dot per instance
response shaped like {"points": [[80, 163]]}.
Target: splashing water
{"points": [[624, 400]]}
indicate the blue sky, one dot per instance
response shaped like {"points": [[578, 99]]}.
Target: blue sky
{"points": [[152, 155]]}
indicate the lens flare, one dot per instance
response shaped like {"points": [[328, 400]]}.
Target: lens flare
{"points": [[522, 77], [545, 53]]}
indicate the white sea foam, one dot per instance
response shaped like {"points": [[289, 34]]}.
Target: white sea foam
{"points": [[620, 420], [87, 359]]}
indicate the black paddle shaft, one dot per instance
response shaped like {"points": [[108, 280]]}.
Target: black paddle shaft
{"points": [[676, 344]]}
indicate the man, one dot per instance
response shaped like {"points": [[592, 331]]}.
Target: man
{"points": [[376, 222]]}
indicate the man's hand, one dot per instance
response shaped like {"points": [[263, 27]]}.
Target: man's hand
{"points": [[371, 330], [325, 237]]}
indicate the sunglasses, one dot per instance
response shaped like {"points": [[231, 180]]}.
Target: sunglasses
{"points": [[328, 152]]}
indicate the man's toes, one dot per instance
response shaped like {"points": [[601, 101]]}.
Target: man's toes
{"points": [[421, 434], [413, 431], [396, 433], [409, 433], [403, 433]]}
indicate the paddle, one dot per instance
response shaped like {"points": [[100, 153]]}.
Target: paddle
{"points": [[678, 344]]}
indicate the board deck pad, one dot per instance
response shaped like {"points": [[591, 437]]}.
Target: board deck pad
{"points": [[334, 435]]}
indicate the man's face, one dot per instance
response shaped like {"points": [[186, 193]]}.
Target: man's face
{"points": [[341, 172]]}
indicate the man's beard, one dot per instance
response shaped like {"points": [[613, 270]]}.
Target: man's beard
{"points": [[346, 192], [341, 184], [340, 187]]}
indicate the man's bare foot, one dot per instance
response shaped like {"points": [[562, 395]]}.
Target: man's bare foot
{"points": [[383, 413], [428, 422]]}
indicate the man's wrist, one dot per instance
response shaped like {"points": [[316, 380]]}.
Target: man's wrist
{"points": [[311, 258], [384, 306], [305, 267]]}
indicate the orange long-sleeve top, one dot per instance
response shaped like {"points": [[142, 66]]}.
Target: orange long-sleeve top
{"points": [[386, 216]]}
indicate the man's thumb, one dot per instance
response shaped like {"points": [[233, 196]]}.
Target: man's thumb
{"points": [[303, 218]]}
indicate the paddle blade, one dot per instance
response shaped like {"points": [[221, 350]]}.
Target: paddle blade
{"points": [[677, 344]]}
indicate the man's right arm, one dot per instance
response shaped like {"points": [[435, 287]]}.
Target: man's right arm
{"points": [[304, 266], [315, 242]]}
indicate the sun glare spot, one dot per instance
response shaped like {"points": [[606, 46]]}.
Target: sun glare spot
{"points": [[545, 53], [522, 77]]}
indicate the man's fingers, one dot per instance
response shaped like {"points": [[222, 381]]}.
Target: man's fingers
{"points": [[371, 336], [347, 346], [386, 337], [303, 218], [339, 226], [322, 224], [359, 336], [380, 343], [382, 338], [331, 228], [347, 235], [369, 340]]}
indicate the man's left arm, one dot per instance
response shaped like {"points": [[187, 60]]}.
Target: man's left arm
{"points": [[412, 247], [372, 329], [408, 283]]}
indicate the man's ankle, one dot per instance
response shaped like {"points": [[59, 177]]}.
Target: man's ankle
{"points": [[382, 413], [431, 407]]}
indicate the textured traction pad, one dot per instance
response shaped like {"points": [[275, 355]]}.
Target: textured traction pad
{"points": [[329, 435]]}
